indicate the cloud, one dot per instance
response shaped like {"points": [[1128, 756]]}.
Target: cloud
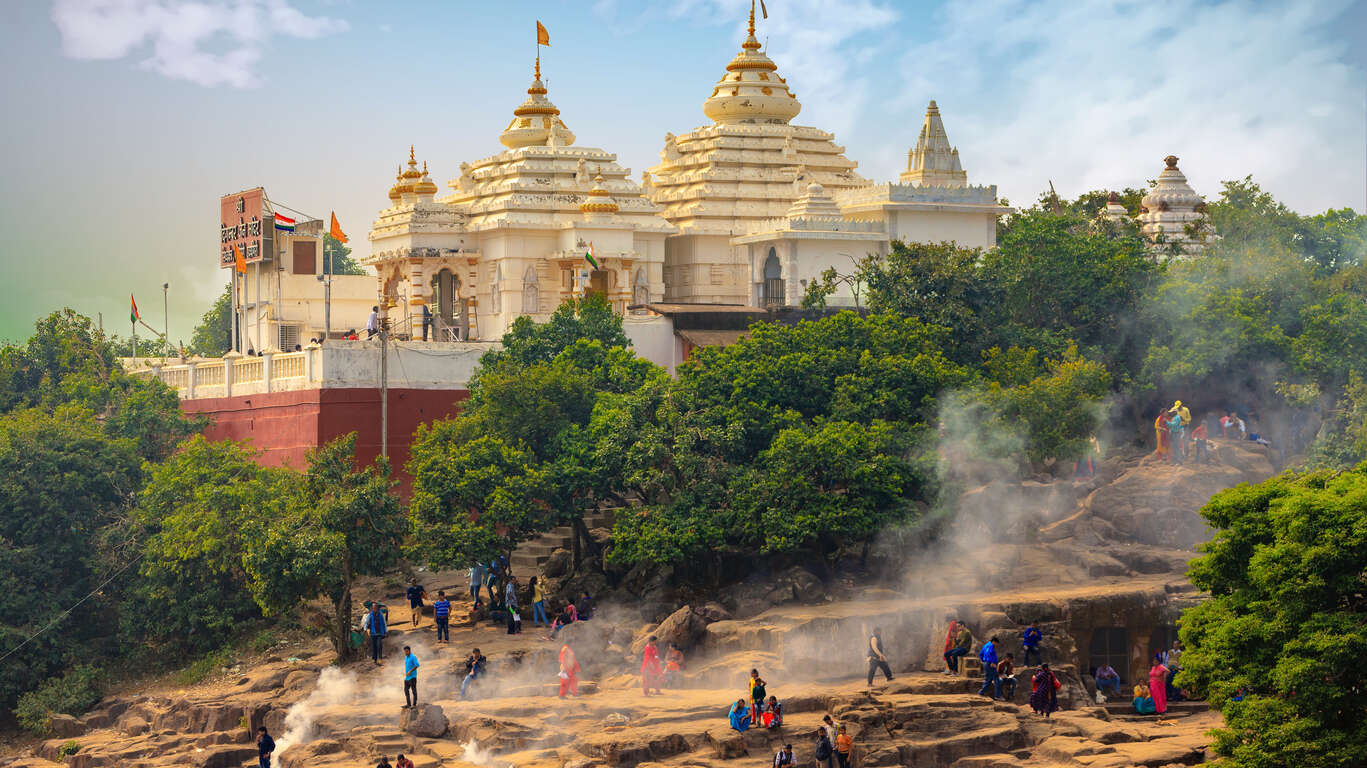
{"points": [[210, 43], [1094, 95]]}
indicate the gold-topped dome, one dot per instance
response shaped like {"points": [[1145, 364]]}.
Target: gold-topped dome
{"points": [[412, 172], [536, 121], [599, 200], [402, 185], [394, 194], [425, 185], [751, 91]]}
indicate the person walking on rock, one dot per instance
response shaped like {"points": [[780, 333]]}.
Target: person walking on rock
{"points": [[1160, 428], [441, 613], [410, 678], [569, 672], [992, 684], [650, 668], [265, 745], [1044, 691], [375, 624], [510, 601], [539, 602], [416, 594], [476, 582], [877, 659]]}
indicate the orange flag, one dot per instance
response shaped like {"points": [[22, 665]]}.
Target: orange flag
{"points": [[542, 36], [336, 230], [240, 263]]}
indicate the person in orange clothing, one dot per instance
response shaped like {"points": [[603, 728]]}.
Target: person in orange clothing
{"points": [[844, 747], [650, 668], [1160, 427], [569, 671]]}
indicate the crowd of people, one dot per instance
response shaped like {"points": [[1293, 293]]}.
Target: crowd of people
{"points": [[1179, 436]]}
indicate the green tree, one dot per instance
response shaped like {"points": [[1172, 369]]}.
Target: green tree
{"points": [[192, 588], [1342, 440], [527, 341], [1285, 622], [66, 481], [214, 334], [340, 523], [337, 257]]}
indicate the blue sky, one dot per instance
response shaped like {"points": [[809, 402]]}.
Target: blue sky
{"points": [[127, 119]]}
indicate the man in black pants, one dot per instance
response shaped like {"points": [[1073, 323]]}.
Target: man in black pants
{"points": [[877, 659]]}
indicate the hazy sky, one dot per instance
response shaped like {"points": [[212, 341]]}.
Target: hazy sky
{"points": [[127, 119]]}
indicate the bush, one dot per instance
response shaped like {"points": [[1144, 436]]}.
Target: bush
{"points": [[68, 749], [264, 641], [74, 693], [206, 665]]}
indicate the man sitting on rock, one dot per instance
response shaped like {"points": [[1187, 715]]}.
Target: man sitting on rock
{"points": [[1107, 677], [963, 641], [1030, 642], [1006, 676], [474, 668], [403, 762]]}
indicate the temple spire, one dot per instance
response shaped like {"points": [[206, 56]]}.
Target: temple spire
{"points": [[933, 162]]}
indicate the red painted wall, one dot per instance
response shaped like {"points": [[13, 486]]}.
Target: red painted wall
{"points": [[285, 426]]}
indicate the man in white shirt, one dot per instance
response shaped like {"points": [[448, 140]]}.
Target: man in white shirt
{"points": [[372, 325]]}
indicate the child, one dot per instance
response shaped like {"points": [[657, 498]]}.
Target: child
{"points": [[673, 666], [757, 694], [844, 745]]}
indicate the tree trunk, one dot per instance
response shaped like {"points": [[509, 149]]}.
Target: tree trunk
{"points": [[581, 532], [341, 620], [575, 547]]}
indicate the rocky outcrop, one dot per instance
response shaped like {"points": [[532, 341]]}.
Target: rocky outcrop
{"points": [[426, 720]]}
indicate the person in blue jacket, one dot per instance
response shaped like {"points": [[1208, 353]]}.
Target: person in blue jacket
{"points": [[1030, 642], [740, 716], [375, 624], [992, 684]]}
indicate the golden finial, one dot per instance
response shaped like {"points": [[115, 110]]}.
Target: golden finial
{"points": [[411, 159], [424, 167], [537, 75], [752, 18]]}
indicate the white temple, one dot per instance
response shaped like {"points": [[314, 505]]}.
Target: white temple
{"points": [[745, 211], [1173, 215]]}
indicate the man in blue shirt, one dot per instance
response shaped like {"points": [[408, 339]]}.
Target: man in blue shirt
{"points": [[375, 624], [410, 677], [991, 682], [265, 745], [1030, 642], [441, 611]]}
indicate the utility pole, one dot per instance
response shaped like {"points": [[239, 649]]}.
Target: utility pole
{"points": [[327, 289], [384, 388], [165, 320]]}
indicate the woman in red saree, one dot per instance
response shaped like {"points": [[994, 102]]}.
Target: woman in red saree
{"points": [[569, 671], [650, 668]]}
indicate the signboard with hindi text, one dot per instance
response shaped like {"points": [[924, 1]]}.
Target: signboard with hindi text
{"points": [[243, 222]]}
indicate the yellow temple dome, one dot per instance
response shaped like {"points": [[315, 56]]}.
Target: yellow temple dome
{"points": [[425, 186], [751, 91], [599, 200], [536, 121]]}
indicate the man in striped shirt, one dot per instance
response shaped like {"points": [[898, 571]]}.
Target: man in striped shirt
{"points": [[441, 609]]}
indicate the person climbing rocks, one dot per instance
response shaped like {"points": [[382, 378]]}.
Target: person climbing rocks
{"points": [[1160, 428], [951, 666], [441, 614], [1044, 691], [650, 668], [963, 641], [1158, 686], [1030, 642], [569, 672], [739, 716], [265, 745], [375, 624], [876, 658], [403, 762], [538, 602], [416, 594], [825, 749], [1006, 676], [1201, 440], [844, 747], [674, 660], [757, 694], [785, 758], [474, 669], [510, 602], [992, 685], [410, 678]]}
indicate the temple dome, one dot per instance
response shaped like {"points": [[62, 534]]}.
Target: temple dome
{"points": [[1172, 192], [536, 121], [751, 91], [599, 200]]}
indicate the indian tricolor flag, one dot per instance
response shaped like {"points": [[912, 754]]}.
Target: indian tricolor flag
{"points": [[132, 309], [283, 223], [589, 256]]}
